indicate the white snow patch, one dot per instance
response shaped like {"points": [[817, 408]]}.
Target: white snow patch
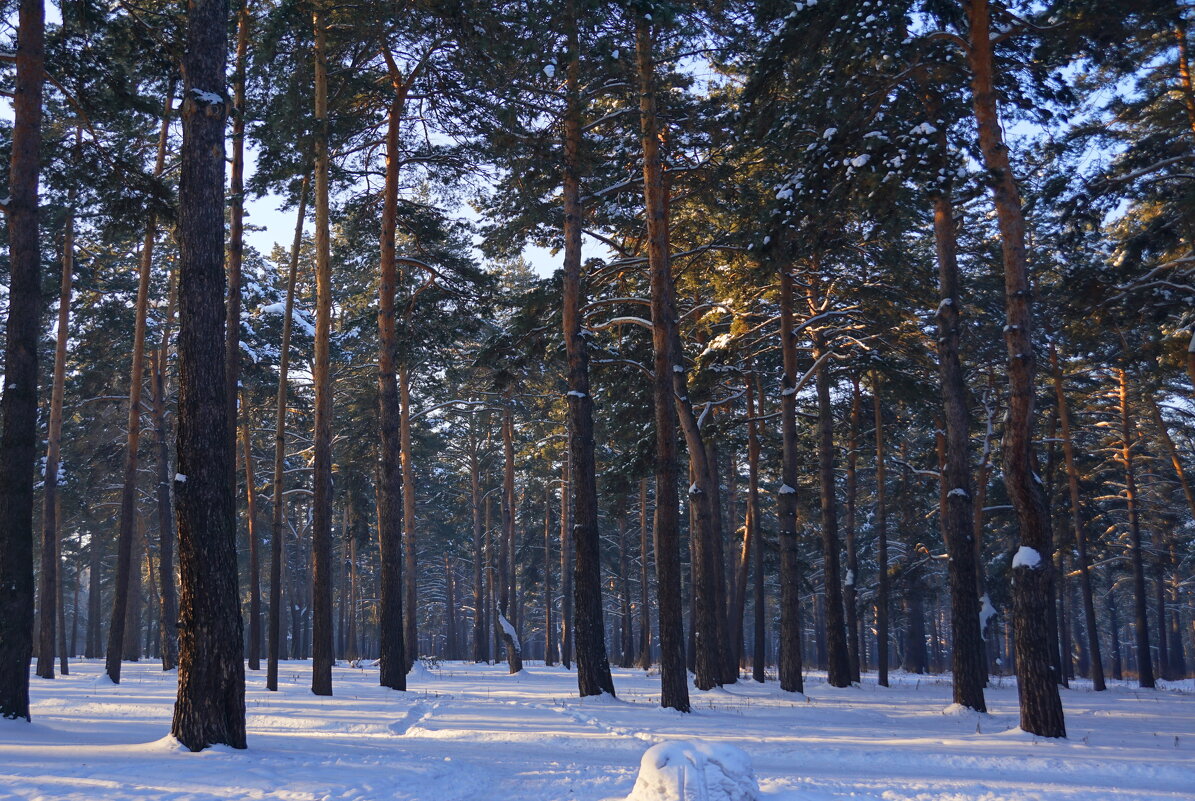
{"points": [[957, 492], [510, 631], [180, 478], [695, 771], [1026, 557], [787, 490], [986, 613]]}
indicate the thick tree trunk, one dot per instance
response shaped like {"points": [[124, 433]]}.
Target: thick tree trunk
{"points": [[1041, 708], [128, 495], [394, 661], [18, 407], [593, 667], [49, 591], [278, 484], [882, 602], [1080, 532], [1145, 671], [674, 684], [211, 679], [790, 656], [967, 662], [321, 523]]}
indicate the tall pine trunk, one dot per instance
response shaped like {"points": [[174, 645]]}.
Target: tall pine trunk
{"points": [[882, 601], [1041, 708], [674, 683], [394, 661], [167, 594], [850, 595], [593, 667], [321, 478], [211, 678], [514, 649], [790, 656], [1145, 671], [644, 660], [409, 555], [253, 536]]}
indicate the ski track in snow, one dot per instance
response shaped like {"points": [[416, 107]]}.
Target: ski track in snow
{"points": [[472, 733]]}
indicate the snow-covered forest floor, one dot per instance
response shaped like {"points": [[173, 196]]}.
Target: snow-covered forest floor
{"points": [[467, 731]]}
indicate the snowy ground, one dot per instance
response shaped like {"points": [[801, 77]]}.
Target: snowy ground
{"points": [[470, 732]]}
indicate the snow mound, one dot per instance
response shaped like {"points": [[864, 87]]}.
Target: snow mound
{"points": [[695, 771]]}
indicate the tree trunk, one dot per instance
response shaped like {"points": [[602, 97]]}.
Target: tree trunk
{"points": [[479, 599], [790, 657], [593, 667], [839, 667], [236, 245], [18, 407], [211, 678], [49, 591], [1080, 532], [277, 501], [674, 683], [514, 649], [394, 661], [128, 495], [1145, 672], [850, 596], [967, 662], [882, 602], [321, 523], [1041, 708], [752, 544]]}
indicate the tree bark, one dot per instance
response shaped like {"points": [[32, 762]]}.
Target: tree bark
{"points": [[644, 583], [850, 596], [790, 657], [211, 679], [167, 594], [409, 554], [752, 545], [549, 623], [49, 590], [18, 407], [236, 242], [566, 565], [1080, 532], [479, 600], [394, 662], [593, 667], [321, 524], [673, 676], [967, 661], [277, 501], [1041, 708]]}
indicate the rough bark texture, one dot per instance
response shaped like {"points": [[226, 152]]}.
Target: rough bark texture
{"points": [[1080, 532], [236, 240], [549, 621], [409, 554], [392, 635], [966, 654], [321, 477], [790, 657], [674, 683], [593, 667], [1041, 708], [644, 660], [566, 565], [278, 484], [18, 408], [479, 601], [211, 678], [252, 535], [167, 594], [849, 595], [752, 545], [50, 589]]}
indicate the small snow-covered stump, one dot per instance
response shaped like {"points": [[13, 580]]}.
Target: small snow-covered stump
{"points": [[695, 771]]}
